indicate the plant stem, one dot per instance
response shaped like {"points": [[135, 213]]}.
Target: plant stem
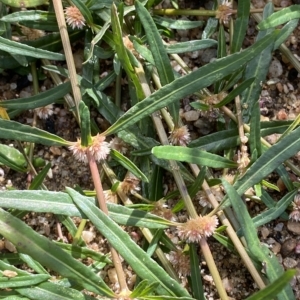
{"points": [[102, 204], [59, 12]]}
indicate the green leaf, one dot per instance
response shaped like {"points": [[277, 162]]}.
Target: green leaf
{"points": [[190, 46], [38, 180], [51, 291], [192, 155], [12, 130], [285, 32], [61, 204], [272, 290], [197, 287], [12, 158], [50, 255], [176, 24], [269, 161], [160, 56], [128, 164], [22, 49], [189, 84], [31, 263], [240, 25], [39, 100], [280, 17], [19, 281], [140, 262]]}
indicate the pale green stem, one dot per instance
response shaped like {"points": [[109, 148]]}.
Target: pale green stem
{"points": [[118, 90], [79, 232], [102, 204], [60, 17]]}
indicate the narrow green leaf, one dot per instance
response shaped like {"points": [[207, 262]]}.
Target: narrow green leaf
{"points": [[176, 24], [258, 68], [140, 262], [285, 32], [237, 91], [189, 84], [12, 158], [48, 254], [254, 139], [210, 28], [284, 15], [197, 287], [38, 180], [269, 161], [128, 164], [22, 49], [272, 290], [19, 281], [160, 56], [29, 15], [40, 100], [192, 155], [31, 263], [51, 291], [12, 130], [190, 46], [240, 25]]}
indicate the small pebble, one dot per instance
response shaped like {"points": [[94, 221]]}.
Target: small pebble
{"points": [[289, 263], [10, 246], [192, 115], [279, 227], [88, 236], [275, 69], [112, 275], [287, 247], [293, 227]]}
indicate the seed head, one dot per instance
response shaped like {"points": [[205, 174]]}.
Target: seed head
{"points": [[180, 136], [45, 112], [295, 214], [224, 11], [99, 149], [130, 184], [195, 229], [180, 262], [74, 18], [119, 145]]}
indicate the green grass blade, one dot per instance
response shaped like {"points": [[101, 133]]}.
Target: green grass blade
{"points": [[240, 25], [12, 130], [190, 46], [285, 33], [48, 254], [269, 161], [189, 84], [254, 139], [128, 164], [38, 180], [42, 99], [22, 49], [176, 24], [160, 56], [141, 263], [192, 155], [280, 17], [12, 158], [272, 290], [20, 281]]}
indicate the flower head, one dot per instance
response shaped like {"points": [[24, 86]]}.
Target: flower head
{"points": [[224, 11], [45, 112], [161, 209], [196, 229], [180, 262], [295, 214], [119, 145], [74, 18], [130, 184], [99, 149], [180, 136], [202, 198]]}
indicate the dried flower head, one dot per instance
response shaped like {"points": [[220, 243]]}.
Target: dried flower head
{"points": [[74, 18], [119, 145], [130, 184], [180, 262], [295, 214], [161, 209], [180, 136], [224, 11], [195, 229], [44, 112], [202, 198], [32, 34], [99, 149]]}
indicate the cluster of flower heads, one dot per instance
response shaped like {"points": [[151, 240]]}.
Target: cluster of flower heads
{"points": [[74, 17], [180, 262], [198, 228], [295, 214]]}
